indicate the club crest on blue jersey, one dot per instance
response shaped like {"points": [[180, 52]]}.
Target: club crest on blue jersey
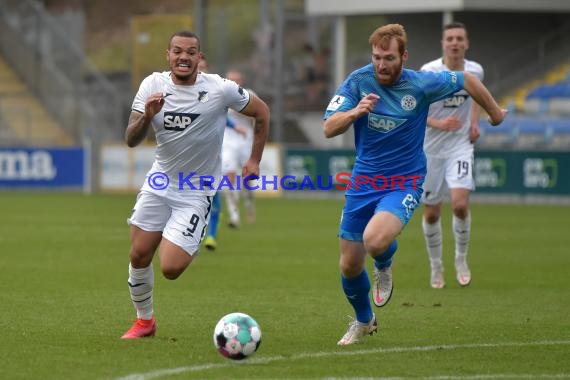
{"points": [[408, 103], [174, 121], [383, 124]]}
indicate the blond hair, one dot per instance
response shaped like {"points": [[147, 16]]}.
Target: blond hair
{"points": [[383, 35]]}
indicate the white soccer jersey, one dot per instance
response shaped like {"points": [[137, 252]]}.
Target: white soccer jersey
{"points": [[231, 137], [442, 143], [190, 128]]}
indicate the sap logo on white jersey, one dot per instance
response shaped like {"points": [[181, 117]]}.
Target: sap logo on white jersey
{"points": [[336, 102], [383, 124], [455, 101], [178, 121]]}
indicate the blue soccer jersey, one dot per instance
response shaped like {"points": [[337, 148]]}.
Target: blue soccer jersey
{"points": [[389, 141]]}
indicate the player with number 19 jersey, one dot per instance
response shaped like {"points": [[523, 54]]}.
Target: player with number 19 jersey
{"points": [[389, 140], [443, 144], [189, 129]]}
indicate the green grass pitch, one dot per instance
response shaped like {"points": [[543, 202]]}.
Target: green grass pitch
{"points": [[65, 303]]}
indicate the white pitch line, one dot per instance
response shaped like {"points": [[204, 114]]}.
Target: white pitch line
{"points": [[467, 377], [310, 355]]}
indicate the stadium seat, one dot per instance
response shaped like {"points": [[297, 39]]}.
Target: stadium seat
{"points": [[559, 106], [502, 136], [531, 133], [549, 91], [549, 98], [558, 132]]}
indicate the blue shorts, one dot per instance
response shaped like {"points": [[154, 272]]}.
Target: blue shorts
{"points": [[358, 210]]}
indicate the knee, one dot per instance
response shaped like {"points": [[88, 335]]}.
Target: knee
{"points": [[431, 219], [350, 268], [431, 214], [140, 257], [171, 273], [377, 244], [460, 209]]}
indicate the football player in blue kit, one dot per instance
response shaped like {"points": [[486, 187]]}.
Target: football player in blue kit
{"points": [[387, 106]]}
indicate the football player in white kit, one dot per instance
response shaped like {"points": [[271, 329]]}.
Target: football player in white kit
{"points": [[453, 129], [187, 110], [235, 150]]}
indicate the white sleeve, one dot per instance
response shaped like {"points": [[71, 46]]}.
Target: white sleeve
{"points": [[481, 73], [237, 98], [142, 94]]}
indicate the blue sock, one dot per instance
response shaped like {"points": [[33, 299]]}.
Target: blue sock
{"points": [[384, 260], [357, 292], [215, 217]]}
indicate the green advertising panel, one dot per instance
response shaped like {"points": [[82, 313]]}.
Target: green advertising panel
{"points": [[324, 168], [522, 172], [495, 172]]}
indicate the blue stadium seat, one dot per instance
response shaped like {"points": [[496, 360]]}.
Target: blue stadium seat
{"points": [[531, 133], [558, 132], [549, 91], [501, 136]]}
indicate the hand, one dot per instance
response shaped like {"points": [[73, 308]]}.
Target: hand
{"points": [[250, 169], [366, 104], [450, 124], [154, 104], [498, 119]]}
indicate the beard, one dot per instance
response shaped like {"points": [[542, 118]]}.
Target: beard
{"points": [[393, 75]]}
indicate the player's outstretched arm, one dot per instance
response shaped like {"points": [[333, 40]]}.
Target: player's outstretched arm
{"points": [[136, 129], [483, 97], [339, 122], [257, 109]]}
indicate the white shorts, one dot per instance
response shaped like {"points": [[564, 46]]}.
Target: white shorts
{"points": [[183, 222], [454, 172]]}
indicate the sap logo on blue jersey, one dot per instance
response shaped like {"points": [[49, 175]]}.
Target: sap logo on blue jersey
{"points": [[383, 123], [455, 101], [178, 121]]}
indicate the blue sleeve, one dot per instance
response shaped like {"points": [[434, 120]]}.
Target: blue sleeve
{"points": [[345, 98], [439, 85]]}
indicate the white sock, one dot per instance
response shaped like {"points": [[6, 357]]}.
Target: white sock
{"points": [[432, 235], [232, 203], [248, 201], [141, 284], [462, 233]]}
